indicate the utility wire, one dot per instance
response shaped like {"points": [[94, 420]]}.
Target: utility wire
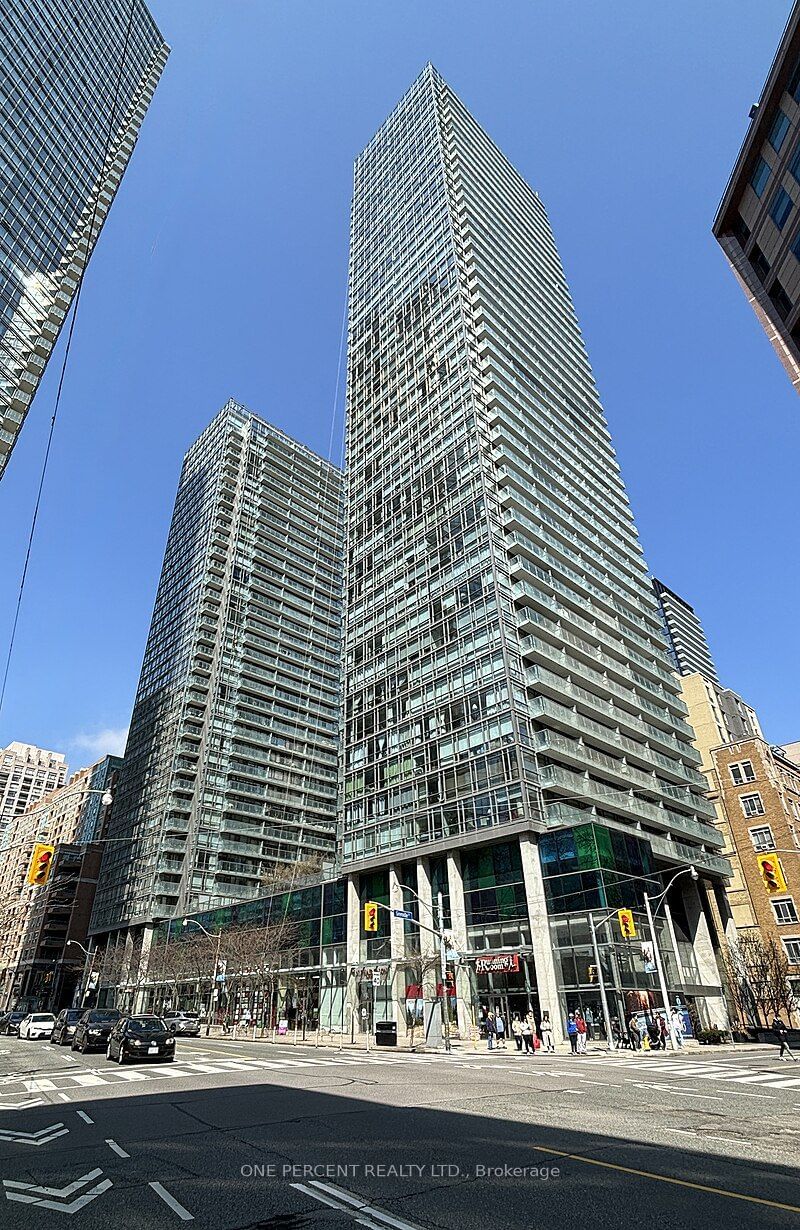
{"points": [[67, 349]]}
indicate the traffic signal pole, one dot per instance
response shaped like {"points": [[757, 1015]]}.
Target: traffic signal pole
{"points": [[601, 982], [660, 972]]}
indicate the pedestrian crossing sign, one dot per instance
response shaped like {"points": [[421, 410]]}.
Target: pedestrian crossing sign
{"points": [[626, 924]]}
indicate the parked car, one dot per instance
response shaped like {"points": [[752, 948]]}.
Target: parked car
{"points": [[141, 1037], [92, 1030], [37, 1025], [64, 1027], [187, 1024], [11, 1021]]}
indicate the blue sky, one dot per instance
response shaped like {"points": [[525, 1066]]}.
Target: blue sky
{"points": [[222, 269]]}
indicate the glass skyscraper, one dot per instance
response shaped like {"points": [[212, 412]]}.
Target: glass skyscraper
{"points": [[230, 767], [76, 78], [506, 673]]}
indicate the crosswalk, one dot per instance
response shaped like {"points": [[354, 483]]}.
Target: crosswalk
{"points": [[766, 1073], [203, 1064]]}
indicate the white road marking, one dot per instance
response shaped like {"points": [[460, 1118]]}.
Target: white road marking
{"points": [[115, 1148], [83, 1115], [183, 1213], [42, 1137], [366, 1214], [87, 1078], [30, 1193]]}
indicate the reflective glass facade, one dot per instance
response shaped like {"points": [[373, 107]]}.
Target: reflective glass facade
{"points": [[230, 765], [505, 662], [76, 78]]}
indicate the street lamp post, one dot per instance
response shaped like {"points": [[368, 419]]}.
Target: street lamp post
{"points": [[187, 922], [439, 932], [88, 964], [657, 951], [601, 982]]}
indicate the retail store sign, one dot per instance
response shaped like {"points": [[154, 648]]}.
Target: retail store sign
{"points": [[499, 963]]}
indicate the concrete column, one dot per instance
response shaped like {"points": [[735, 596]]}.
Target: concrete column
{"points": [[543, 955], [397, 938], [353, 949], [700, 939], [458, 926]]}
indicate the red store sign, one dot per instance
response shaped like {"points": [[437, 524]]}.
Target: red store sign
{"points": [[500, 963]]}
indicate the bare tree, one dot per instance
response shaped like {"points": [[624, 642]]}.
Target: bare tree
{"points": [[757, 971], [421, 971]]}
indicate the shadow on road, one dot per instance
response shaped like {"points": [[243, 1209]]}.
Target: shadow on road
{"points": [[259, 1155]]}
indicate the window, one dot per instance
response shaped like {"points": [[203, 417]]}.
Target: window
{"points": [[794, 165], [780, 208], [759, 262], [784, 910], [779, 297], [793, 950], [780, 127], [793, 87], [752, 805], [742, 772], [762, 838], [760, 176], [741, 230]]}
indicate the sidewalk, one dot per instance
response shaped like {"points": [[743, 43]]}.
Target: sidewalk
{"points": [[336, 1042]]}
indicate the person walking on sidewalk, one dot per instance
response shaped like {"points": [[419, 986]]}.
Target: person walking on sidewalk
{"points": [[547, 1030], [572, 1033], [677, 1027], [491, 1031], [516, 1029], [500, 1029], [634, 1034], [780, 1029], [580, 1024]]}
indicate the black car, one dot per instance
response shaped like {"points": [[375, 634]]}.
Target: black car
{"points": [[11, 1021], [65, 1025], [92, 1030], [141, 1037]]}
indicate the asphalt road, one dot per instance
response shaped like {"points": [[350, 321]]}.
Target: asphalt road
{"points": [[237, 1135]]}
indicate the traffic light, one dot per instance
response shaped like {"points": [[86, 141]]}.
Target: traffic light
{"points": [[370, 916], [772, 873], [41, 864], [626, 924], [593, 973]]}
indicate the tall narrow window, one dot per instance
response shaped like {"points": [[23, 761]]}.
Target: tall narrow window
{"points": [[760, 177], [777, 134], [780, 208]]}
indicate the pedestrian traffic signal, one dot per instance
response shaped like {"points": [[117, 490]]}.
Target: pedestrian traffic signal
{"points": [[370, 916], [593, 973], [626, 924], [772, 873], [41, 864]]}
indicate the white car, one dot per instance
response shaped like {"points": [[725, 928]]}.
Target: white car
{"points": [[37, 1025]]}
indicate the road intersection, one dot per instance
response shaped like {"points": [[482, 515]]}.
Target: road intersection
{"points": [[236, 1134]]}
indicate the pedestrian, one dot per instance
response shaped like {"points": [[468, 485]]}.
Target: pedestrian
{"points": [[491, 1031], [580, 1025], [547, 1030], [663, 1031], [516, 1029], [526, 1034], [780, 1029], [653, 1035], [617, 1041], [677, 1027], [500, 1029], [635, 1033], [572, 1033], [588, 1017]]}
